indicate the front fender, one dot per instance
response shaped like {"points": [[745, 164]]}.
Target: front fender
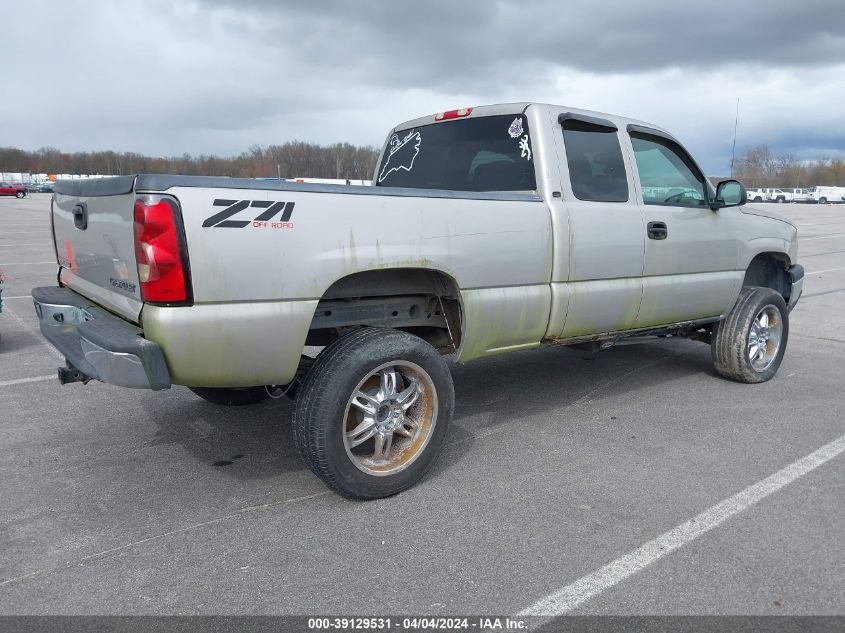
{"points": [[782, 246]]}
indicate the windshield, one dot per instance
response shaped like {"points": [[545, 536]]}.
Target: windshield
{"points": [[483, 154]]}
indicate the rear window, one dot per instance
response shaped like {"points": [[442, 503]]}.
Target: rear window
{"points": [[485, 154]]}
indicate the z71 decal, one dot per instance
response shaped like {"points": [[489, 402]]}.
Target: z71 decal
{"points": [[276, 215]]}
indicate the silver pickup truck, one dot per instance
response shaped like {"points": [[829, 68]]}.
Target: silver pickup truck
{"points": [[487, 230]]}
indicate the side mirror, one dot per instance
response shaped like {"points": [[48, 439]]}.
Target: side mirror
{"points": [[729, 193]]}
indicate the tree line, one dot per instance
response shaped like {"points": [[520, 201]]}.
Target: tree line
{"points": [[759, 167], [293, 159]]}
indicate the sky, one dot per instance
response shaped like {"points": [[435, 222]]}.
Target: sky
{"points": [[217, 76]]}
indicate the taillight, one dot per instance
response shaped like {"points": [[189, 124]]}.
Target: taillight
{"points": [[453, 114], [162, 270]]}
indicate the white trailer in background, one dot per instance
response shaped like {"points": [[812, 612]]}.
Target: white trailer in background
{"points": [[828, 195]]}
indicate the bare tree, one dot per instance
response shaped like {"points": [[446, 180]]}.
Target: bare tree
{"points": [[758, 167], [290, 160]]}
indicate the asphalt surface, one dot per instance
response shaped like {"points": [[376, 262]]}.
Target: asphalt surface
{"points": [[558, 462]]}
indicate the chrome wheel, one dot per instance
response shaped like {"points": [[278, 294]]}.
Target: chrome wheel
{"points": [[389, 418], [764, 337]]}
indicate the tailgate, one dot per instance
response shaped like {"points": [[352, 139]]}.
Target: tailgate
{"points": [[93, 226]]}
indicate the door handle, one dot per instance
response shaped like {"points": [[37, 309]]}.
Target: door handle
{"points": [[80, 216], [657, 231]]}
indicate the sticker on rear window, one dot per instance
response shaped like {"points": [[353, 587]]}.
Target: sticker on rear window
{"points": [[402, 154], [525, 149], [515, 130]]}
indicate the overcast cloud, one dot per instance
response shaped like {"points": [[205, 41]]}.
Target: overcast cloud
{"points": [[217, 76]]}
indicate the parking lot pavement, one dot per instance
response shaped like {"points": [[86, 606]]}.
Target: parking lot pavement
{"points": [[559, 463]]}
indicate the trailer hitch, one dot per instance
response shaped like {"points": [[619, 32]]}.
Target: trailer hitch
{"points": [[71, 374]]}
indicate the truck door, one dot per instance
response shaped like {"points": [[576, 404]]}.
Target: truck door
{"points": [[603, 286], [691, 253]]}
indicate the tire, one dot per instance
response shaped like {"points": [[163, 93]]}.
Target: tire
{"points": [[733, 343], [781, 200], [19, 194], [822, 200], [757, 199], [231, 396], [339, 436]]}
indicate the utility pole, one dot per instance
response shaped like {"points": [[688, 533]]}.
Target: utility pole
{"points": [[279, 170], [733, 151]]}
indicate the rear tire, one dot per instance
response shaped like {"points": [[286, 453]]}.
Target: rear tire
{"points": [[373, 412], [231, 396], [749, 344]]}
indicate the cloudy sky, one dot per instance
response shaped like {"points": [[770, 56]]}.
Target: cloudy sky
{"points": [[216, 76]]}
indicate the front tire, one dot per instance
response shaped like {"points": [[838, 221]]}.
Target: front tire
{"points": [[231, 396], [749, 344], [19, 194], [373, 412]]}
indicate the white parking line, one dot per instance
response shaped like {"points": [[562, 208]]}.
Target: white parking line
{"points": [[18, 297], [52, 261], [826, 270], [36, 333], [29, 244], [595, 583], [21, 381], [822, 237]]}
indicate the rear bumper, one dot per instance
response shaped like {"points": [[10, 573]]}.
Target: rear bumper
{"points": [[97, 343], [796, 278]]}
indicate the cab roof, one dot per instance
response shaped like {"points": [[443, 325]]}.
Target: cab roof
{"points": [[521, 107]]}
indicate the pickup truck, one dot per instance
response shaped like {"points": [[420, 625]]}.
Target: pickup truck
{"points": [[487, 230], [755, 195], [778, 195], [801, 195]]}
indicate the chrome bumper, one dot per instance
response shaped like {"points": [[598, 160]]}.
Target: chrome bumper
{"points": [[796, 278], [98, 344]]}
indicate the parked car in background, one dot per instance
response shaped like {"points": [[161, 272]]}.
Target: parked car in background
{"points": [[755, 195], [827, 195], [16, 189], [39, 187]]}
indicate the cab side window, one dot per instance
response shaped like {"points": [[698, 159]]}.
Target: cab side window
{"points": [[596, 168], [667, 175]]}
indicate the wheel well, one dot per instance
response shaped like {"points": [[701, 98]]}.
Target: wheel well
{"points": [[769, 270], [423, 302]]}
